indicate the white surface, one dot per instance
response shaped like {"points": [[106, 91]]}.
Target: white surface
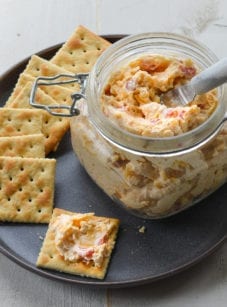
{"points": [[27, 26]]}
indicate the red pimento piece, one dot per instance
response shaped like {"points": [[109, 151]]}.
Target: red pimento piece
{"points": [[189, 72], [148, 66], [84, 252], [171, 113], [153, 64], [103, 240], [89, 254]]}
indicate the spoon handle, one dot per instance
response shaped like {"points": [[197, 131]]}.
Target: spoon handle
{"points": [[210, 78]]}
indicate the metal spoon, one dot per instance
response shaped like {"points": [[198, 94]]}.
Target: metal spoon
{"points": [[205, 81]]}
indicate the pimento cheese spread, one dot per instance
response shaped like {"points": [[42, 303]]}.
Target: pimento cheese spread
{"points": [[131, 97], [79, 237]]}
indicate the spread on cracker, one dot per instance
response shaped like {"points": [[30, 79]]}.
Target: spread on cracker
{"points": [[79, 243]]}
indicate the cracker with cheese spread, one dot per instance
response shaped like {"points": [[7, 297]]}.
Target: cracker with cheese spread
{"points": [[79, 244]]}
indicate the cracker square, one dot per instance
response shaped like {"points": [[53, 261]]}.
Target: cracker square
{"points": [[26, 189], [53, 127], [50, 256], [20, 121], [80, 51], [24, 146]]}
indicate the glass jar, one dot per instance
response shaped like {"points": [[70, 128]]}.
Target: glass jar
{"points": [[150, 177]]}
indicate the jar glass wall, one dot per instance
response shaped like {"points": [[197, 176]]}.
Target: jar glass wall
{"points": [[145, 175]]}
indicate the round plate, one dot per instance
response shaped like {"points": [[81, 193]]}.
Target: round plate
{"points": [[165, 248]]}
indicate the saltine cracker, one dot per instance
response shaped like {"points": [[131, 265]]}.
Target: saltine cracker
{"points": [[80, 52], [26, 189], [50, 258], [20, 121]]}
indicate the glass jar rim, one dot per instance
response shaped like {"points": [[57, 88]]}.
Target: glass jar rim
{"points": [[149, 146]]}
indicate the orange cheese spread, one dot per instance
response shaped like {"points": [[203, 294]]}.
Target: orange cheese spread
{"points": [[79, 237], [131, 97]]}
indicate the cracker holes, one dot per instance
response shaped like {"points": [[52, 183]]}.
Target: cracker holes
{"points": [[9, 119], [39, 211], [30, 200], [18, 209], [31, 179], [98, 48], [41, 190], [29, 120], [87, 62], [31, 146], [84, 50], [10, 178], [9, 198], [22, 168], [37, 69], [20, 189], [18, 129]]}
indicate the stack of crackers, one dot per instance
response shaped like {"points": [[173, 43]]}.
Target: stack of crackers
{"points": [[28, 135]]}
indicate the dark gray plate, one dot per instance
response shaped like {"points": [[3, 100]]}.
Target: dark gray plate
{"points": [[167, 247]]}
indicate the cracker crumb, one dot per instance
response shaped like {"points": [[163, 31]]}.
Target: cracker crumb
{"points": [[142, 229]]}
